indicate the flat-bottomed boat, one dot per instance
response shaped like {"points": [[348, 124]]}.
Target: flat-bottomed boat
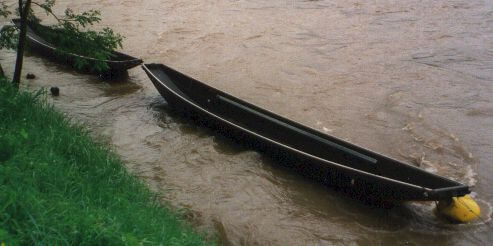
{"points": [[117, 64], [310, 152]]}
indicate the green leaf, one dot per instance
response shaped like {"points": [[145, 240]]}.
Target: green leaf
{"points": [[24, 133]]}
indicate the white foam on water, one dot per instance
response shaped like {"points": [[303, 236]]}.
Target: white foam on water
{"points": [[470, 176], [327, 130]]}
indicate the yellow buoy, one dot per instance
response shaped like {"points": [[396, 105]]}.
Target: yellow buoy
{"points": [[461, 209]]}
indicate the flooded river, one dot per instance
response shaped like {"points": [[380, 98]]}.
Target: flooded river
{"points": [[410, 79]]}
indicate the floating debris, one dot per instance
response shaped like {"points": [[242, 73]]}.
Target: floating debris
{"points": [[30, 76], [55, 91]]}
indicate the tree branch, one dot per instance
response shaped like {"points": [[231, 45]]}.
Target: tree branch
{"points": [[20, 8], [47, 11], [21, 44]]}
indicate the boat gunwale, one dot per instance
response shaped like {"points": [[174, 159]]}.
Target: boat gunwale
{"points": [[428, 191]]}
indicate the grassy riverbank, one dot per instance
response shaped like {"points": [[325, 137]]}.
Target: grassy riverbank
{"points": [[59, 187]]}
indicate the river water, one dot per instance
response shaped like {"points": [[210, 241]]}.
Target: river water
{"points": [[410, 79]]}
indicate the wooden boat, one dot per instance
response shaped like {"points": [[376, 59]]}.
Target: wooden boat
{"points": [[118, 63], [308, 151]]}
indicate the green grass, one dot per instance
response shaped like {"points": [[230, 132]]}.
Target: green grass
{"points": [[58, 187]]}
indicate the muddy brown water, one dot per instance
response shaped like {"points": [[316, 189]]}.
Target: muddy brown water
{"points": [[410, 79]]}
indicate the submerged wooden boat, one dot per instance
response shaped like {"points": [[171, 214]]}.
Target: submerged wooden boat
{"points": [[118, 63], [310, 152]]}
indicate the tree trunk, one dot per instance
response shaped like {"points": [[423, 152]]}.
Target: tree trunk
{"points": [[22, 42]]}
